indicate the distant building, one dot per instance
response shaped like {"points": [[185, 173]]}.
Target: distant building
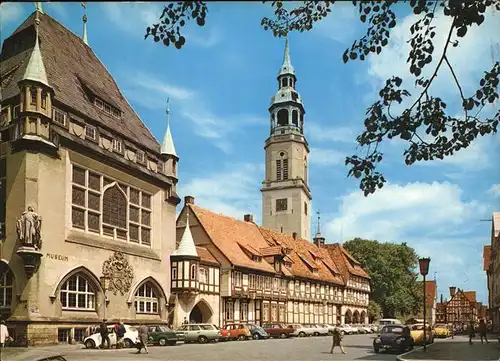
{"points": [[491, 255], [430, 301], [461, 308]]}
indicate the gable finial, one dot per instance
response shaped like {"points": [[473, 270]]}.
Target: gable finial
{"points": [[84, 18], [168, 111], [38, 7], [318, 231]]}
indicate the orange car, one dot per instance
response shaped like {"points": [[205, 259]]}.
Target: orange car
{"points": [[225, 335], [238, 331]]}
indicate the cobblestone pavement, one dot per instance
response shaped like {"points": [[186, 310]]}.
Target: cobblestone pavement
{"points": [[457, 349], [358, 347]]}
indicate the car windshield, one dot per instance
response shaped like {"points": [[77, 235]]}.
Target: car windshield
{"points": [[206, 327], [392, 329], [164, 329], [216, 327]]}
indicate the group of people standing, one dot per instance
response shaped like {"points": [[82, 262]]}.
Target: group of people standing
{"points": [[119, 330]]}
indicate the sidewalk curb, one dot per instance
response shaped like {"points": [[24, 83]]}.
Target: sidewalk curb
{"points": [[401, 357]]}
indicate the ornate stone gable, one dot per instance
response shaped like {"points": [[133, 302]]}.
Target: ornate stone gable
{"points": [[120, 272]]}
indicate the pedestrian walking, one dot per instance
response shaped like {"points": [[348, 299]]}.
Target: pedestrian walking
{"points": [[143, 339], [120, 334], [482, 330], [103, 330], [337, 339], [4, 334], [471, 332]]}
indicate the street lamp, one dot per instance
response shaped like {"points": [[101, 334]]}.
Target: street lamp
{"points": [[424, 270], [453, 289], [105, 280]]}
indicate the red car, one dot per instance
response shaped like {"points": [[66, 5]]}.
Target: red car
{"points": [[278, 330], [225, 334]]}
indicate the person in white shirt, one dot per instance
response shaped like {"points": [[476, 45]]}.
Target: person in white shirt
{"points": [[4, 334]]}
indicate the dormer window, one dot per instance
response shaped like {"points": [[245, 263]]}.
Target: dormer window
{"points": [[117, 145], [44, 99], [16, 111], [90, 132], [256, 258], [140, 156], [99, 103], [108, 108], [277, 264], [33, 95], [193, 271], [59, 117]]}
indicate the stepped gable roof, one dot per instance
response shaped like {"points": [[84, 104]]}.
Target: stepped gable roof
{"points": [[76, 75]]}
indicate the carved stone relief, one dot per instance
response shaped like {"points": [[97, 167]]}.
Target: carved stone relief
{"points": [[120, 272], [29, 227]]}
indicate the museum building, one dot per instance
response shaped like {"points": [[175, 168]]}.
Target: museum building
{"points": [[88, 195]]}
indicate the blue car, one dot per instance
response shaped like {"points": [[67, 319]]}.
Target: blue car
{"points": [[257, 332]]}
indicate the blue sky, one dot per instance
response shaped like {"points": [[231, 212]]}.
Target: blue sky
{"points": [[220, 86]]}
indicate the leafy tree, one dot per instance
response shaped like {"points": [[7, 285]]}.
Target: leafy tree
{"points": [[446, 133], [374, 311], [392, 268]]}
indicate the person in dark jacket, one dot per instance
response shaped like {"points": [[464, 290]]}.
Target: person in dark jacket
{"points": [[471, 332], [337, 339], [143, 338], [120, 333], [103, 330], [482, 331]]}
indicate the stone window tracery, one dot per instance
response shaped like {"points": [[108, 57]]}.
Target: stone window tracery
{"points": [[6, 286], [146, 299], [102, 206], [282, 117], [77, 293], [33, 95]]}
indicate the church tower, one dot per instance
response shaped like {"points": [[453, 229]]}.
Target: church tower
{"points": [[286, 197]]}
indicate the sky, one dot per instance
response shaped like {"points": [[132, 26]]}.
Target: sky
{"points": [[220, 84]]}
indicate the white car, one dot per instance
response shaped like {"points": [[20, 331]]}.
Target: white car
{"points": [[321, 330], [348, 329], [131, 335], [301, 330], [367, 328]]}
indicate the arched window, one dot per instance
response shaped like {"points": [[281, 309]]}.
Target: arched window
{"points": [[295, 117], [301, 122], [193, 271], [284, 82], [282, 117], [44, 99], [6, 286], [114, 210], [291, 83], [33, 95], [146, 299], [77, 293]]}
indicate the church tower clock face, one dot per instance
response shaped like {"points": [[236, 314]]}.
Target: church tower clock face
{"points": [[286, 197]]}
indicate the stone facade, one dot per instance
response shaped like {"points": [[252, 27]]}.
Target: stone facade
{"points": [[106, 199]]}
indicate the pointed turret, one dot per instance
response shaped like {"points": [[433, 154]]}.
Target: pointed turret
{"points": [[287, 67], [84, 37], [35, 71], [318, 239], [186, 245], [167, 147]]}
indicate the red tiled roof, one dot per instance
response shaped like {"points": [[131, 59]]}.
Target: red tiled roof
{"points": [[471, 296], [205, 255], [271, 251], [486, 257], [345, 262]]}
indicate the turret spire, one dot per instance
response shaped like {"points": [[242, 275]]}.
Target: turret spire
{"points": [[167, 147], [318, 229], [84, 37], [35, 70], [38, 6], [287, 67], [186, 245]]}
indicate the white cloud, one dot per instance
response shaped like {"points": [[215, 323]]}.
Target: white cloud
{"points": [[433, 218], [232, 191], [323, 157], [495, 190], [10, 12], [338, 25]]}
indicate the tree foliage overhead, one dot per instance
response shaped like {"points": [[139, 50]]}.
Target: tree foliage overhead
{"points": [[393, 276], [445, 133]]}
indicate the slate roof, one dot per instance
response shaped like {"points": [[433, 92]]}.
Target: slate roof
{"points": [[238, 240], [74, 71]]}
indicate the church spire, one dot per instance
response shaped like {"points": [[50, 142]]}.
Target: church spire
{"points": [[318, 228], [287, 67], [167, 147], [318, 239], [186, 245], [84, 37], [35, 70]]}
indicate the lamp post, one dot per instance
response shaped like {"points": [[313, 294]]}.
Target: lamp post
{"points": [[105, 280], [424, 270]]}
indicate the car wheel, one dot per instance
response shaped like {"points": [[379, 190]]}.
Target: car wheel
{"points": [[376, 349], [316, 334], [302, 334], [256, 336], [162, 342], [128, 343], [202, 339], [282, 335], [90, 344], [241, 338]]}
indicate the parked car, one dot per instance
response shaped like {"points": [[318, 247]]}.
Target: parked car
{"points": [[300, 330], [367, 328], [200, 332], [387, 321], [319, 330], [393, 337], [162, 335], [278, 330], [417, 333], [373, 327], [95, 339], [238, 331], [441, 331], [225, 335], [330, 328], [349, 329], [257, 331], [360, 329]]}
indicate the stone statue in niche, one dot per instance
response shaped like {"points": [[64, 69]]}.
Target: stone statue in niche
{"points": [[29, 227], [120, 273]]}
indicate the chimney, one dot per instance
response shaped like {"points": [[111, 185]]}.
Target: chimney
{"points": [[453, 290], [189, 200], [248, 218], [294, 235], [319, 242], [441, 298]]}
